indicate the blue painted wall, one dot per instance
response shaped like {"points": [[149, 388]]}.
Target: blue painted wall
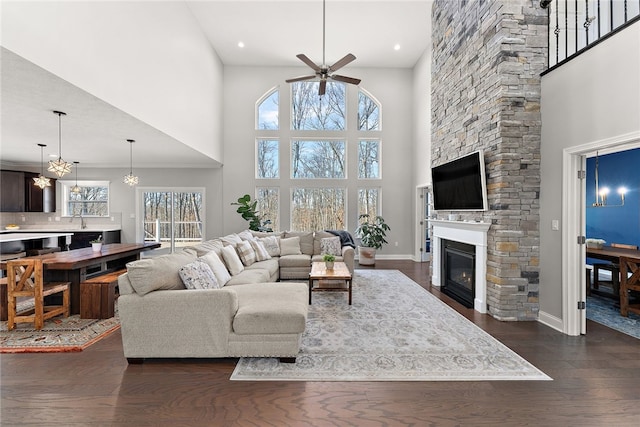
{"points": [[615, 224]]}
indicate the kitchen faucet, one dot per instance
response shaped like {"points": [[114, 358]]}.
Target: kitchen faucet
{"points": [[83, 224]]}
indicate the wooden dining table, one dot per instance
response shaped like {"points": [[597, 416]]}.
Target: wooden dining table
{"points": [[78, 265], [609, 253]]}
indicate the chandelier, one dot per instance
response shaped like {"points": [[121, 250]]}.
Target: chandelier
{"points": [[603, 192], [42, 181], [59, 167], [130, 179], [76, 189]]}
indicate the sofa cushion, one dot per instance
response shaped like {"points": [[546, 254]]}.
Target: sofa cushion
{"points": [[306, 240], [207, 246], [331, 246], [198, 275], [260, 250], [158, 273], [217, 266], [301, 260], [317, 238], [246, 235], [271, 308], [232, 260], [257, 275], [272, 244], [231, 239], [246, 253], [270, 265], [290, 246]]}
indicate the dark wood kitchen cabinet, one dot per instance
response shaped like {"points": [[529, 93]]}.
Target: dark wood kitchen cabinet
{"points": [[12, 191], [38, 199]]}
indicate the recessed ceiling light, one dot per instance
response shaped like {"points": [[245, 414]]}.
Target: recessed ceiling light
{"points": [[396, 46], [240, 44]]}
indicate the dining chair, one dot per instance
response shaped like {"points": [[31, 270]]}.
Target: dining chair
{"points": [[614, 268], [629, 285], [25, 280]]}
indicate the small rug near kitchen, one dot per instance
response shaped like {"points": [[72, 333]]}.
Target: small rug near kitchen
{"points": [[394, 331], [59, 334]]}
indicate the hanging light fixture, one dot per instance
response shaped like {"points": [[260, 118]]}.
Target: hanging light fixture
{"points": [[42, 181], [130, 179], [603, 192], [59, 167], [76, 189]]}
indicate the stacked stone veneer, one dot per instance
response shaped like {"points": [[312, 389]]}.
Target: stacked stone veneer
{"points": [[486, 63]]}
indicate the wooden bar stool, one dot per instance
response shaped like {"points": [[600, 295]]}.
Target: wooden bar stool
{"points": [[25, 279]]}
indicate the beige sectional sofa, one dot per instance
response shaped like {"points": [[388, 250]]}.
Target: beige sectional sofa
{"points": [[238, 307]]}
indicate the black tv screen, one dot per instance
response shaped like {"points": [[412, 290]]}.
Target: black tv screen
{"points": [[460, 184]]}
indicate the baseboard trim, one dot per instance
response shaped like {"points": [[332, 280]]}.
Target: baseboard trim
{"points": [[551, 321]]}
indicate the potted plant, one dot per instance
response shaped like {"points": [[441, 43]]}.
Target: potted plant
{"points": [[96, 244], [329, 261], [247, 209], [372, 233]]}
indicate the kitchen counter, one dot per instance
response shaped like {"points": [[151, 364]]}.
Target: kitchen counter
{"points": [[16, 236], [39, 229]]}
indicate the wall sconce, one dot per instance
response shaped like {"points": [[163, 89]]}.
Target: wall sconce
{"points": [[602, 193]]}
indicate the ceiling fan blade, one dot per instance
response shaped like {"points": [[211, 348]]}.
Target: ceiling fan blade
{"points": [[341, 63], [302, 57], [323, 87], [346, 79], [300, 78]]}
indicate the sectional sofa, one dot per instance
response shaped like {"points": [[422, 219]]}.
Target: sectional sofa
{"points": [[223, 297]]}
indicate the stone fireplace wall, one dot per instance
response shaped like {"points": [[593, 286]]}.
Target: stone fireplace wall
{"points": [[486, 63]]}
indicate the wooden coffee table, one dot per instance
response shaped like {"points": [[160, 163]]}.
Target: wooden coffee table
{"points": [[319, 272]]}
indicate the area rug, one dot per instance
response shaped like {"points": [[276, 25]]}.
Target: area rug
{"points": [[606, 312], [59, 334], [394, 331]]}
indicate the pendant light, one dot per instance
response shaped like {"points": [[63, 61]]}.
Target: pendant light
{"points": [[130, 179], [42, 181], [59, 167], [76, 189]]}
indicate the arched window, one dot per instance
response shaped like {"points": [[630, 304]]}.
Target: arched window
{"points": [[267, 111], [368, 112], [312, 112]]}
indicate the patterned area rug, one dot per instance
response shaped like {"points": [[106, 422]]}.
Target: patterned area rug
{"points": [[394, 331], [59, 334], [606, 311]]}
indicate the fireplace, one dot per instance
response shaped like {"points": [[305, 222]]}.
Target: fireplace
{"points": [[459, 265]]}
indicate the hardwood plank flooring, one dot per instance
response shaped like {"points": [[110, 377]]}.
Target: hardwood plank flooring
{"points": [[596, 383]]}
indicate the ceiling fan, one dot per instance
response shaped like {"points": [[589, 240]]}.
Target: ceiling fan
{"points": [[324, 72]]}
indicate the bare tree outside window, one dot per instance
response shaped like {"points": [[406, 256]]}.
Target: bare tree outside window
{"points": [[318, 159], [268, 112], [368, 199], [92, 200], [311, 112], [368, 113], [268, 199], [173, 218], [267, 159], [368, 159], [318, 209]]}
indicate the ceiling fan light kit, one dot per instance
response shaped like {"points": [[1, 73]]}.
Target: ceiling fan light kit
{"points": [[324, 72]]}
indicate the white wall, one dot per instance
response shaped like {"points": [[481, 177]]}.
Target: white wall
{"points": [[391, 87], [594, 97], [149, 59]]}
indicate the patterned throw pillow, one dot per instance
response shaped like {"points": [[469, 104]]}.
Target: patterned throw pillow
{"points": [[246, 253], [331, 246], [260, 250], [198, 275], [232, 260], [272, 245]]}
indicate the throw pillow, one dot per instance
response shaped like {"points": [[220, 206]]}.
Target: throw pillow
{"points": [[217, 266], [198, 275], [158, 273], [246, 253], [232, 260], [331, 246], [246, 235], [272, 245], [290, 246], [260, 250], [231, 239]]}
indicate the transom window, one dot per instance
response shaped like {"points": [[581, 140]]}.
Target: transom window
{"points": [[91, 200], [312, 112]]}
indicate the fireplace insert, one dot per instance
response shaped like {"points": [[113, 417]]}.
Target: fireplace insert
{"points": [[459, 267]]}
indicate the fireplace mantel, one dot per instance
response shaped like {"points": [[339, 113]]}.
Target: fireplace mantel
{"points": [[473, 233]]}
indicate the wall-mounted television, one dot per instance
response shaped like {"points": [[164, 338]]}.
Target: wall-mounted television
{"points": [[460, 185]]}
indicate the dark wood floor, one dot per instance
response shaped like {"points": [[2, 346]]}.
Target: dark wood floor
{"points": [[596, 383]]}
